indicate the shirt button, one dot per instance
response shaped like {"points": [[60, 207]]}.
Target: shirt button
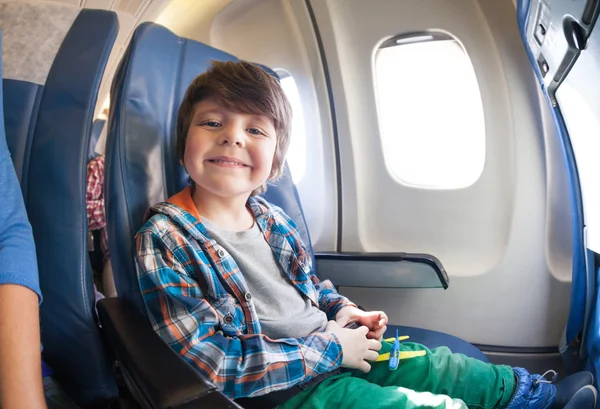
{"points": [[228, 319], [248, 296], [221, 253]]}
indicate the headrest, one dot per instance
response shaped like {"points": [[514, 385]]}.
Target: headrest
{"points": [[54, 56], [142, 165]]}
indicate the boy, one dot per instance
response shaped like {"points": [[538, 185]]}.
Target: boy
{"points": [[229, 286]]}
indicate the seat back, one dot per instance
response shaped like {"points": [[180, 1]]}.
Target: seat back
{"points": [[53, 58]]}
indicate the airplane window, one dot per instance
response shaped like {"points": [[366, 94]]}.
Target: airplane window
{"points": [[296, 156], [430, 111]]}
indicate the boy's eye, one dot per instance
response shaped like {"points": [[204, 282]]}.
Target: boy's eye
{"points": [[212, 124], [255, 131]]}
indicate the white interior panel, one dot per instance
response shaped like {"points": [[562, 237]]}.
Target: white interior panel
{"points": [[413, 219], [287, 42], [191, 18], [509, 277], [97, 4]]}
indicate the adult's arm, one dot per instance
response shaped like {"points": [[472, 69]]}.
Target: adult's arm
{"points": [[20, 357]]}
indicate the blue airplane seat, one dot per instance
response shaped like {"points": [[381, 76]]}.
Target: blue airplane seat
{"points": [[54, 58], [142, 169]]}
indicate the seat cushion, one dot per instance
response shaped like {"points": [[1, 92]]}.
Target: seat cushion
{"points": [[434, 339]]}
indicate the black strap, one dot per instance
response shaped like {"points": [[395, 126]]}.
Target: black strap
{"points": [[274, 399]]}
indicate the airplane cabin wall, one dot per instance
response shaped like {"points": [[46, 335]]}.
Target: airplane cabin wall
{"points": [[505, 239]]}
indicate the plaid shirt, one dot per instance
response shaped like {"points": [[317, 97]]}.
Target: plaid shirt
{"points": [[198, 300], [94, 197]]}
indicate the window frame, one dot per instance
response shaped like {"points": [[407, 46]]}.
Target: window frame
{"points": [[412, 38]]}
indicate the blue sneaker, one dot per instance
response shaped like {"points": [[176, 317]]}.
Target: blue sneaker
{"points": [[536, 392], [567, 389], [532, 392]]}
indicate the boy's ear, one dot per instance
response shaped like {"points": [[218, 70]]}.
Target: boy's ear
{"points": [[181, 162]]}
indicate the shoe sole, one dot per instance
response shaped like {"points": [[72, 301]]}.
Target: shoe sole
{"points": [[594, 392]]}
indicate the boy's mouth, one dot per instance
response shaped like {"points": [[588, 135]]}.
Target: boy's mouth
{"points": [[227, 161]]}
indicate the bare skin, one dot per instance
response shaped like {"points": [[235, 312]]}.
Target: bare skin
{"points": [[20, 359]]}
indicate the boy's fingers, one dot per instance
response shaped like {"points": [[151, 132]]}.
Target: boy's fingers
{"points": [[371, 356], [379, 333], [364, 366], [331, 325], [374, 345]]}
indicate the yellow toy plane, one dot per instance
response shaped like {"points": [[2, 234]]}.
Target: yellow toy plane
{"points": [[403, 354]]}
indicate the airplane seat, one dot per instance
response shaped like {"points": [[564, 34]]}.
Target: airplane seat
{"points": [[142, 169], [54, 56]]}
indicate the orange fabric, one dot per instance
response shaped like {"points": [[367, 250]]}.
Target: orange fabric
{"points": [[184, 201]]}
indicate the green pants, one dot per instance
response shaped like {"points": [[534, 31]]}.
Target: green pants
{"points": [[438, 380]]}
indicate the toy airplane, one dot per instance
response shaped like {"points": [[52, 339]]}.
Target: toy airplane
{"points": [[395, 355], [403, 355], [400, 355], [402, 338]]}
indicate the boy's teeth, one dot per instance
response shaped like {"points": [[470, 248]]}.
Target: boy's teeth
{"points": [[222, 161]]}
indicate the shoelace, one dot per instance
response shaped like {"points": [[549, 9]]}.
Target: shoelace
{"points": [[542, 378]]}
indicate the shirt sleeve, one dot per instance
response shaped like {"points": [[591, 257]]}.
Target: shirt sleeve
{"points": [[330, 301], [18, 260], [241, 365]]}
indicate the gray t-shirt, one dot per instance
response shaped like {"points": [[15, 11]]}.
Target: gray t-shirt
{"points": [[282, 310]]}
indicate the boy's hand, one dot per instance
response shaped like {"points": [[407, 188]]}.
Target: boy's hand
{"points": [[356, 348], [376, 321]]}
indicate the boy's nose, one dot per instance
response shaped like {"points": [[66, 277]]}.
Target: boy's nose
{"points": [[232, 137]]}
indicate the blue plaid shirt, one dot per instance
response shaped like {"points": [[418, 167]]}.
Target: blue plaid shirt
{"points": [[198, 302]]}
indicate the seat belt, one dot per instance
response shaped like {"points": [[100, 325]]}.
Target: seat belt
{"points": [[274, 399]]}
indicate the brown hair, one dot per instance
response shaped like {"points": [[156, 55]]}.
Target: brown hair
{"points": [[240, 87]]}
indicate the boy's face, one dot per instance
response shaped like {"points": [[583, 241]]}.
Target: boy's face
{"points": [[228, 153]]}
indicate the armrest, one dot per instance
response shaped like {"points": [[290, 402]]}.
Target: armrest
{"points": [[382, 270], [156, 376]]}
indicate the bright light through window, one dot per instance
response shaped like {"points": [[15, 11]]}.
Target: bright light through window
{"points": [[296, 156], [430, 112]]}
